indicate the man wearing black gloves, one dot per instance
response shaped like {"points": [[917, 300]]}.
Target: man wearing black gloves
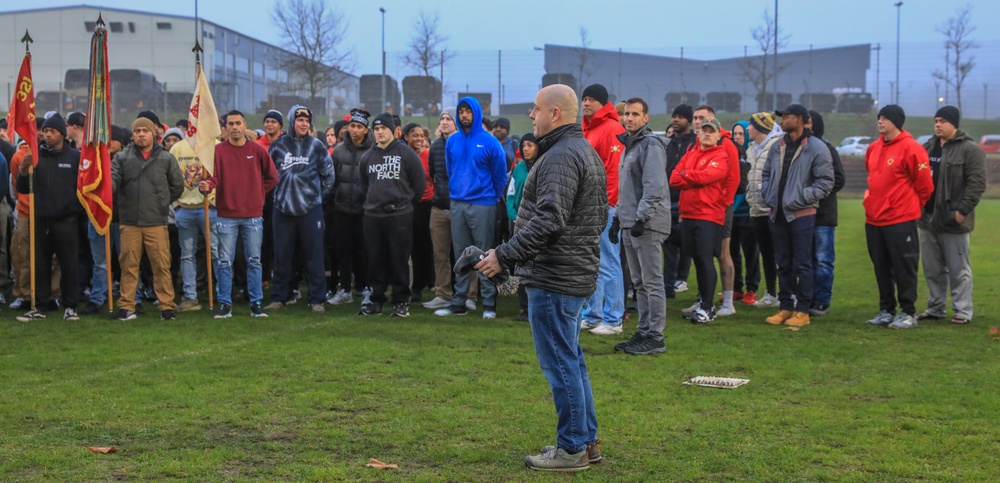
{"points": [[392, 179]]}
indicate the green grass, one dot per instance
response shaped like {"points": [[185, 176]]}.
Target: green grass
{"points": [[299, 396]]}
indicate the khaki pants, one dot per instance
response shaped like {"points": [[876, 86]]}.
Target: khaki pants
{"points": [[441, 241], [20, 246], [155, 241]]}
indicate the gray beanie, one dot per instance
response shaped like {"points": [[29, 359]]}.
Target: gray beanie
{"points": [[450, 111]]}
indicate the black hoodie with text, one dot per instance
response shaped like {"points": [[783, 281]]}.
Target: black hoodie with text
{"points": [[392, 179]]}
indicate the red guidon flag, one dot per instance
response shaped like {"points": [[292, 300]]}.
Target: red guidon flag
{"points": [[93, 185], [21, 116]]}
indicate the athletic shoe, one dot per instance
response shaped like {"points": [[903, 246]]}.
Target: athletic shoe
{"points": [[489, 314], [3, 298], [341, 297], [558, 459], [318, 308], [749, 297], [370, 309], [70, 314], [296, 295], [819, 310], [256, 310], [451, 310], [436, 303], [401, 309], [767, 300], [125, 314], [366, 296], [928, 315], [167, 315], [522, 316], [139, 309], [798, 319], [17, 303], [606, 329], [588, 325], [470, 304], [646, 346], [779, 318], [883, 319], [623, 345], [31, 315], [275, 305], [960, 320], [903, 320], [726, 310], [688, 312], [188, 305], [702, 316], [680, 286], [224, 311], [736, 296], [90, 309], [593, 451]]}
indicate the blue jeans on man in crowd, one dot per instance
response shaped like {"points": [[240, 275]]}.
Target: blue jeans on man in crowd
{"points": [[190, 224], [825, 256], [555, 329], [252, 231], [607, 304]]}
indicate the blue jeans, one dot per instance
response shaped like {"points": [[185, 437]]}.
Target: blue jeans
{"points": [[252, 231], [298, 236], [190, 224], [793, 252], [556, 332], [607, 304], [99, 276], [824, 258]]}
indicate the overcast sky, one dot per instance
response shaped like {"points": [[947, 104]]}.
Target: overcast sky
{"points": [[638, 25]]}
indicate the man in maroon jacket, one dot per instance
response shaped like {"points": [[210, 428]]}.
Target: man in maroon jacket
{"points": [[244, 173]]}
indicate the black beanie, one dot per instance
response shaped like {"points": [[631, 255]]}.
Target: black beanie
{"points": [[151, 116], [894, 114], [818, 127], [273, 114], [384, 119], [597, 92], [950, 114], [56, 122], [527, 137], [685, 111]]}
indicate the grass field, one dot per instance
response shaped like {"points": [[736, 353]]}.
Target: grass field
{"points": [[299, 396]]}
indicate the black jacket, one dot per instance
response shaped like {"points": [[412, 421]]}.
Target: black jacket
{"points": [[391, 179], [439, 173], [55, 183], [676, 149], [563, 211], [826, 214], [348, 196]]}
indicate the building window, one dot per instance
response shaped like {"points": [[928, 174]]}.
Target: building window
{"points": [[163, 26], [131, 27], [116, 27], [90, 26]]}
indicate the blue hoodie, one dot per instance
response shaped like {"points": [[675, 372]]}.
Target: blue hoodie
{"points": [[305, 172], [476, 162]]}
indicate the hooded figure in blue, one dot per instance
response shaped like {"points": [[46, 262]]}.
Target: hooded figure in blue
{"points": [[477, 172], [305, 177]]}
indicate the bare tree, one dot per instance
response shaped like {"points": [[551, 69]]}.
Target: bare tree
{"points": [[755, 69], [583, 57], [314, 34], [956, 31], [427, 45]]}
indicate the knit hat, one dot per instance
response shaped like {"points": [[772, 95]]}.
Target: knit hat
{"points": [[273, 114], [152, 117], [598, 92], [818, 127], [795, 110], [300, 111], [527, 137], [174, 132], [144, 122], [396, 121], [360, 116], [182, 124], [950, 114], [450, 111], [384, 119], [56, 122], [121, 135], [76, 119], [893, 114], [503, 122], [762, 121], [684, 111], [338, 126]]}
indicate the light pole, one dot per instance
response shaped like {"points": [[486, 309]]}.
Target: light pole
{"points": [[898, 9], [878, 69], [380, 9], [774, 106]]}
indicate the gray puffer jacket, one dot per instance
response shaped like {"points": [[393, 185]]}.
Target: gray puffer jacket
{"points": [[555, 244], [643, 193], [810, 177]]}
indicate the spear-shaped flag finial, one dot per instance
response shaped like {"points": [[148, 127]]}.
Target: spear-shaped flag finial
{"points": [[197, 51], [100, 19], [26, 40]]}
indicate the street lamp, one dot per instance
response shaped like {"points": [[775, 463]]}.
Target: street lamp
{"points": [[897, 4], [380, 9]]}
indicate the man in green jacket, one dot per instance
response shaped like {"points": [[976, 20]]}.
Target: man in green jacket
{"points": [[145, 179], [958, 166]]}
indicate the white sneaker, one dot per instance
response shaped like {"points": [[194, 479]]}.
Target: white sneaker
{"points": [[341, 297], [469, 304], [767, 300], [17, 303], [587, 325], [366, 296], [3, 299], [436, 303], [688, 312], [680, 286], [726, 310], [489, 315], [605, 329], [296, 295]]}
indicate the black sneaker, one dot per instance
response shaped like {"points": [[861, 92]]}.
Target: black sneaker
{"points": [[646, 346], [167, 315], [90, 309], [371, 309], [621, 346], [401, 309], [139, 309], [225, 311], [256, 310], [819, 310], [124, 314], [31, 315]]}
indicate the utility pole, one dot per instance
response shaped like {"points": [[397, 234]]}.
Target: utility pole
{"points": [[986, 90], [382, 108], [775, 88], [898, 9], [878, 68], [499, 80]]}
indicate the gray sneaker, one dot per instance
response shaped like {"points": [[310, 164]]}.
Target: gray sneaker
{"points": [[689, 312], [557, 459], [341, 297], [593, 451], [188, 305], [883, 319], [903, 320]]}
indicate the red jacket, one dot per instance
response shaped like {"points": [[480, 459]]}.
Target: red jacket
{"points": [[602, 130], [701, 177], [429, 192], [733, 179], [899, 180]]}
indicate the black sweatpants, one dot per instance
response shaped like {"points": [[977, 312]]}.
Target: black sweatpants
{"points": [[423, 250], [895, 253], [389, 241], [59, 237], [351, 253], [762, 233], [743, 247]]}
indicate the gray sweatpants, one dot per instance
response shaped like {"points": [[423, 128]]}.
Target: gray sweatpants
{"points": [[472, 225], [645, 265], [945, 258]]}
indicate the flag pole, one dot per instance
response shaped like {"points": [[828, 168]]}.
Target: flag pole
{"points": [[26, 40], [107, 236], [208, 228]]}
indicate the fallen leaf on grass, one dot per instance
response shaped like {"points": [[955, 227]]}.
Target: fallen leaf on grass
{"points": [[994, 330], [104, 450], [374, 463], [792, 328]]}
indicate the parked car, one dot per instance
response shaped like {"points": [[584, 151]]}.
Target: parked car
{"points": [[990, 143], [854, 145], [923, 139]]}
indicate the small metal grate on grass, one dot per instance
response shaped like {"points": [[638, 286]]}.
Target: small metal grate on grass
{"points": [[717, 382]]}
